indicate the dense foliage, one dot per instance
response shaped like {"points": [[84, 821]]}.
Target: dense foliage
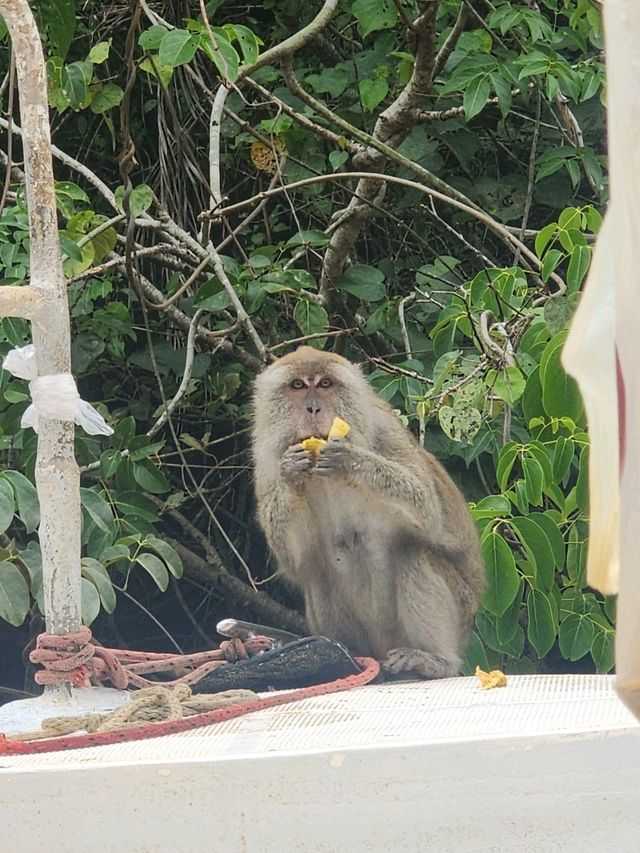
{"points": [[214, 210]]}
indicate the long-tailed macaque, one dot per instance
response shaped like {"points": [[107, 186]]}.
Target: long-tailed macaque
{"points": [[372, 530]]}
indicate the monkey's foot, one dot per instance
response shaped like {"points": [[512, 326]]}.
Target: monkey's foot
{"points": [[419, 662]]}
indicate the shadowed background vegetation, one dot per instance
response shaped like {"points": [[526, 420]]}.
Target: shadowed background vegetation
{"points": [[417, 185]]}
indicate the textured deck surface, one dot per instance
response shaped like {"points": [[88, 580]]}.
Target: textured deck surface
{"points": [[549, 764], [410, 713]]}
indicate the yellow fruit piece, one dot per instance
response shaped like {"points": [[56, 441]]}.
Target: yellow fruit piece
{"points": [[488, 680], [313, 445], [339, 429]]}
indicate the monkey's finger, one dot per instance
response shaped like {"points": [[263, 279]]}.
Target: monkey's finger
{"points": [[297, 452]]}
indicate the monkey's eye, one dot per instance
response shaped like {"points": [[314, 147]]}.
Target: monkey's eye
{"points": [[296, 384], [325, 383]]}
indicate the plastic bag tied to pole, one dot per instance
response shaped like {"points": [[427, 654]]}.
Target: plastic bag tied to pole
{"points": [[55, 396]]}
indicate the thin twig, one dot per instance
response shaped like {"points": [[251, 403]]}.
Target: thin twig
{"points": [[476, 213], [186, 377]]}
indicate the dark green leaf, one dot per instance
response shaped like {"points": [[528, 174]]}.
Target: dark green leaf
{"points": [[474, 656], [27, 499], [61, 25], [551, 260], [582, 484], [170, 556], [603, 651], [367, 283], [578, 266], [563, 454], [223, 54], [7, 505], [75, 83], [97, 509], [99, 577], [509, 385], [106, 98], [140, 200], [476, 96], [503, 578], [554, 535], [249, 43], [558, 311], [90, 601], [560, 395], [542, 626], [124, 432], [156, 569], [535, 541], [310, 317], [178, 47], [576, 636], [534, 480], [14, 594], [150, 477], [506, 461], [373, 92], [374, 15], [151, 39]]}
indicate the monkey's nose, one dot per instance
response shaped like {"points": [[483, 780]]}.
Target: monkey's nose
{"points": [[313, 407]]}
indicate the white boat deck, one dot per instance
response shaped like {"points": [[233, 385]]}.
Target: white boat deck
{"points": [[547, 763]]}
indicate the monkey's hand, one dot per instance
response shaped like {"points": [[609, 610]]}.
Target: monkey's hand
{"points": [[295, 464], [338, 457]]}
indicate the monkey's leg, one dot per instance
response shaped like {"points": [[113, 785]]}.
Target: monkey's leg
{"points": [[419, 662]]}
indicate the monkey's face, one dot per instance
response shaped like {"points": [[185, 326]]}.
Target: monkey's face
{"points": [[312, 396]]}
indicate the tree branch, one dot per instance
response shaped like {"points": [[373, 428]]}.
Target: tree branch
{"points": [[505, 234]]}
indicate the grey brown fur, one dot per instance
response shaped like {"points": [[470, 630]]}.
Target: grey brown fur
{"points": [[374, 533]]}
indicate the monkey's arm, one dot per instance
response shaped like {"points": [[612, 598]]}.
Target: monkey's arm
{"points": [[405, 486], [279, 495]]}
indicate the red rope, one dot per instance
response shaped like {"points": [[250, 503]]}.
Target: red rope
{"points": [[371, 668], [74, 659]]}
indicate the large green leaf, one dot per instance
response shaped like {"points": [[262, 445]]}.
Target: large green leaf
{"points": [[60, 19], [156, 568], [14, 594], [502, 575], [94, 571], [542, 626], [27, 498], [375, 15], [560, 395], [75, 83], [576, 636], [538, 547], [603, 650], [178, 47], [97, 509], [90, 599], [310, 317], [168, 553], [7, 505], [367, 283], [476, 96]]}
